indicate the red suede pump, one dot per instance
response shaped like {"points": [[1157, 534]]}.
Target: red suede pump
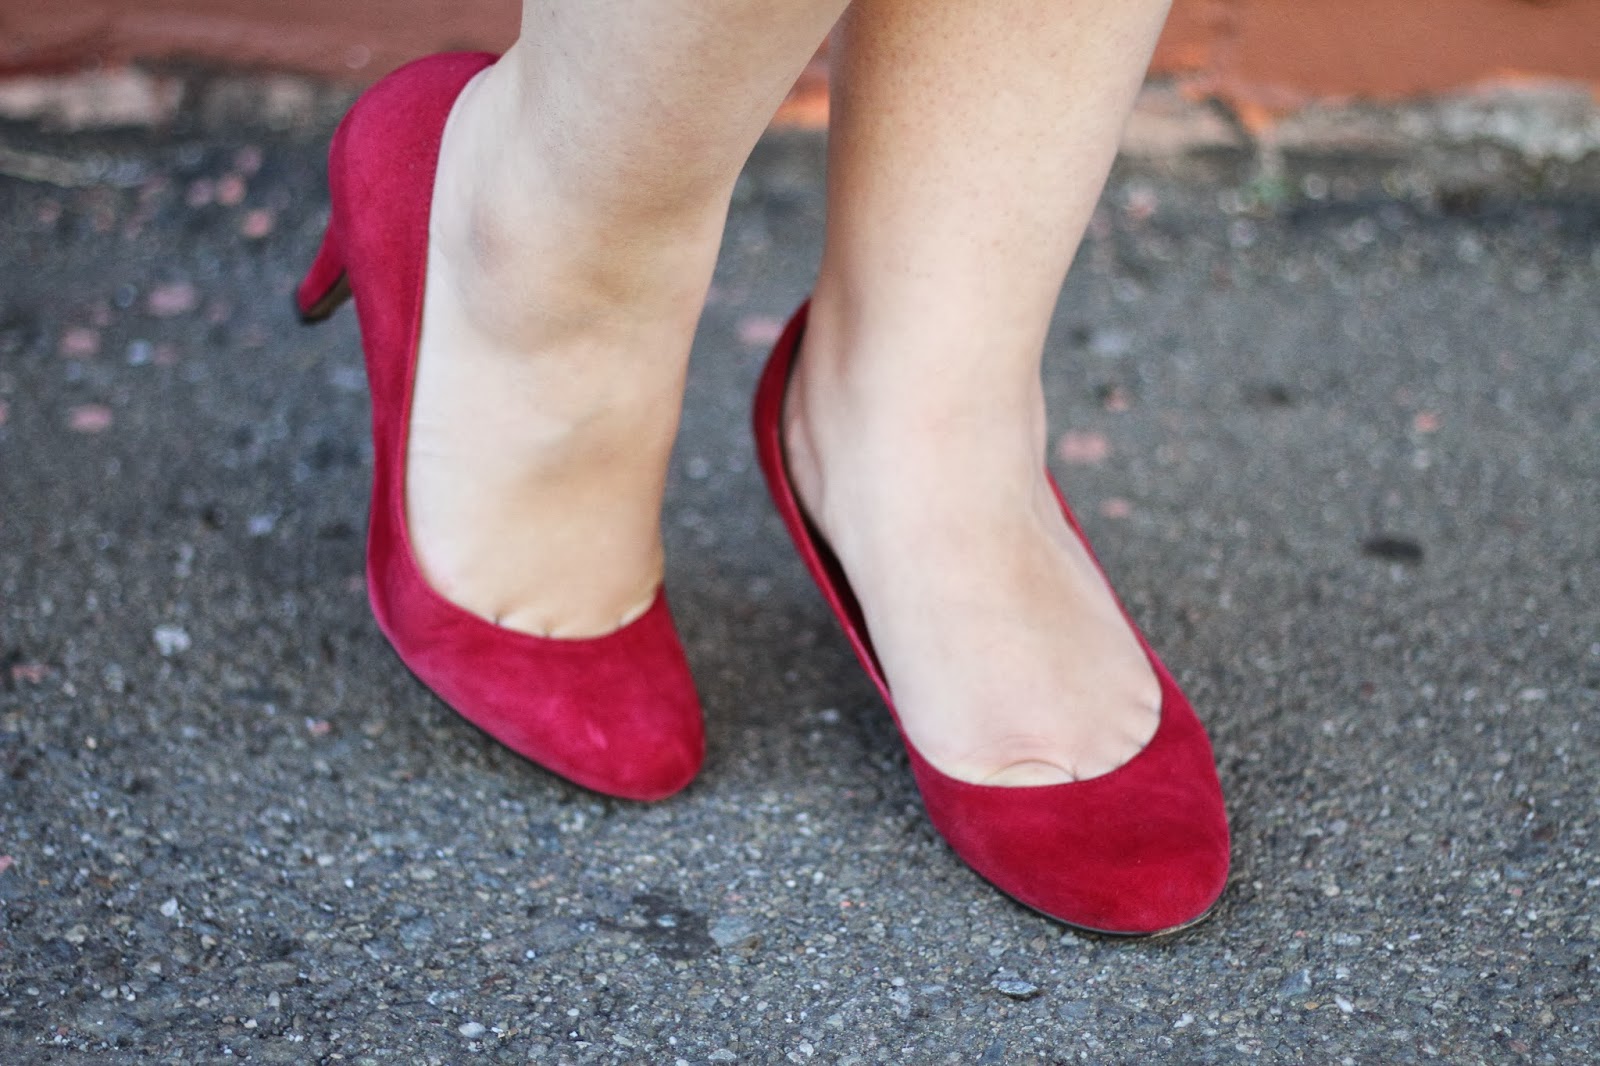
{"points": [[1135, 852], [617, 714]]}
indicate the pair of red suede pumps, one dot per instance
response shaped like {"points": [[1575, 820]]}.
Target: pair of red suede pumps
{"points": [[1138, 851]]}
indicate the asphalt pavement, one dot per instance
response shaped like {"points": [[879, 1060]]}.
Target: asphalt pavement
{"points": [[1331, 418]]}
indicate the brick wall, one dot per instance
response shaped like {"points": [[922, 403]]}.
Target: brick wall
{"points": [[1279, 53]]}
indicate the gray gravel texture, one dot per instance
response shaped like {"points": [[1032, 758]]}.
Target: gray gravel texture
{"points": [[1333, 429]]}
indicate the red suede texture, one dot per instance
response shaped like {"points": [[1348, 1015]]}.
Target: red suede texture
{"points": [[1141, 850], [618, 713]]}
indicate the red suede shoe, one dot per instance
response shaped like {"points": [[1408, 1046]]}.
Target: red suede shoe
{"points": [[617, 713], [1135, 852]]}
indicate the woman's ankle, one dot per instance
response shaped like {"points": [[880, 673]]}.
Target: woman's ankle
{"points": [[535, 259], [856, 406]]}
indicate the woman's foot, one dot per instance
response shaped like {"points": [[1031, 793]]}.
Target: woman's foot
{"points": [[1009, 660], [549, 380]]}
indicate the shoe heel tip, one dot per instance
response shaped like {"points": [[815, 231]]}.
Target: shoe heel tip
{"points": [[323, 307]]}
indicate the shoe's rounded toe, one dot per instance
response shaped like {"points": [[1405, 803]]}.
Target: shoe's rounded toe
{"points": [[1128, 876], [1136, 852], [642, 741], [617, 714]]}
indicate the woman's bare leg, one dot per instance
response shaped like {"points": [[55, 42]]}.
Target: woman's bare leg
{"points": [[969, 142], [581, 193]]}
